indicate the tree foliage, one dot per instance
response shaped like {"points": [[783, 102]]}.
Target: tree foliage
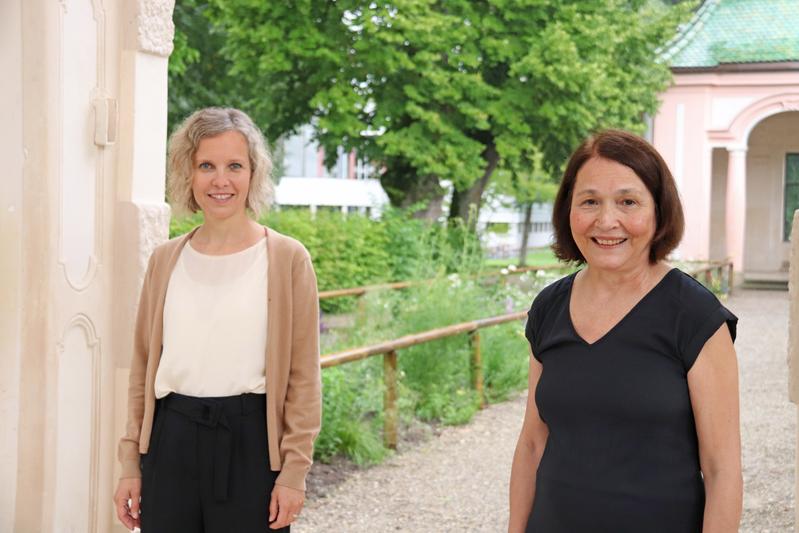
{"points": [[432, 90]]}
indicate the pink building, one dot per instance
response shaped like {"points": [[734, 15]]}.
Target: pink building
{"points": [[729, 129]]}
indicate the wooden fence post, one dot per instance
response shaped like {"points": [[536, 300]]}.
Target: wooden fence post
{"points": [[390, 414], [725, 282], [477, 367]]}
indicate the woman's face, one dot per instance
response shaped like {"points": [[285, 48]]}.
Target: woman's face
{"points": [[221, 175], [612, 216]]}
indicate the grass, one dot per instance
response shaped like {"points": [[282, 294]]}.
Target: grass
{"points": [[535, 257], [434, 377]]}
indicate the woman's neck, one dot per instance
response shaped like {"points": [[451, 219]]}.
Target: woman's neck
{"points": [[638, 279], [219, 237]]}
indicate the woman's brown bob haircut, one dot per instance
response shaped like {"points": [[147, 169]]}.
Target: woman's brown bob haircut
{"points": [[634, 152]]}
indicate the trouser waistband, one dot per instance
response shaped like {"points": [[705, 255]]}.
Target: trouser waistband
{"points": [[213, 413]]}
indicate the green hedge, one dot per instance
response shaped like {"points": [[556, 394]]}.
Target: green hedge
{"points": [[353, 250]]}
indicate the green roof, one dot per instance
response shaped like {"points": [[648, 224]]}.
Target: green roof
{"points": [[738, 31]]}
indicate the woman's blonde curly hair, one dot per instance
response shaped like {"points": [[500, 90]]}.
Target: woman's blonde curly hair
{"points": [[210, 122]]}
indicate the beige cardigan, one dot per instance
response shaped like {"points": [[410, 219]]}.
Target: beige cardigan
{"points": [[293, 380]]}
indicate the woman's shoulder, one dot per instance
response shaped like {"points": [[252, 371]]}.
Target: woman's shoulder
{"points": [[162, 252], [689, 292], [555, 291], [699, 313], [285, 245]]}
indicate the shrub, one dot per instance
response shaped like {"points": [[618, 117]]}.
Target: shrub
{"points": [[353, 250]]}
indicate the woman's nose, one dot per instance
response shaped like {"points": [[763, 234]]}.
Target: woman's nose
{"points": [[606, 218], [219, 179]]}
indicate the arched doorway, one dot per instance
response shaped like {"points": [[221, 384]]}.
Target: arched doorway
{"points": [[772, 194], [754, 189]]}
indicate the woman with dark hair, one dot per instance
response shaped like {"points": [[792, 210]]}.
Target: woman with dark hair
{"points": [[632, 414], [224, 400]]}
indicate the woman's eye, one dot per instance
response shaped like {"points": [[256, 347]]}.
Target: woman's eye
{"points": [[628, 202], [205, 166], [589, 202], [236, 166]]}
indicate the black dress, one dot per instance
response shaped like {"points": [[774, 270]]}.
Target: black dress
{"points": [[622, 452]]}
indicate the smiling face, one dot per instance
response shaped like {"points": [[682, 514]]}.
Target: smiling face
{"points": [[612, 216], [221, 175]]}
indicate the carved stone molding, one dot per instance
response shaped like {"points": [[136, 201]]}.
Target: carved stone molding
{"points": [[155, 27], [79, 370], [81, 172]]}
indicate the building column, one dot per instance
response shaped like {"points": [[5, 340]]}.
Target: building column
{"points": [[793, 346], [142, 216], [12, 152], [735, 212]]}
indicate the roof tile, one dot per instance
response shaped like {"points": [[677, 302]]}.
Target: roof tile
{"points": [[738, 31]]}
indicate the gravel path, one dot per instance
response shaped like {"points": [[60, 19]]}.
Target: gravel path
{"points": [[448, 483]]}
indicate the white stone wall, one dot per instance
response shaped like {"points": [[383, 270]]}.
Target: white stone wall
{"points": [[12, 154], [82, 142]]}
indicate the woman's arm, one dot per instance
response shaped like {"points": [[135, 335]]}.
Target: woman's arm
{"points": [[713, 385], [529, 450], [128, 493], [302, 410]]}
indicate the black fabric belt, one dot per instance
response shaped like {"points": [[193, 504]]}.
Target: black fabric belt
{"points": [[213, 413]]}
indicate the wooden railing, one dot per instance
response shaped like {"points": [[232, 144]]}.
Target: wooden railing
{"points": [[360, 291], [389, 352], [706, 271], [389, 349], [723, 269]]}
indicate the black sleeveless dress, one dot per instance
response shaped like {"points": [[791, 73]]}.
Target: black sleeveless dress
{"points": [[622, 452]]}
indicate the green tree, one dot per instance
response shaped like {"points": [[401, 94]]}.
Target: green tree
{"points": [[198, 75], [455, 90]]}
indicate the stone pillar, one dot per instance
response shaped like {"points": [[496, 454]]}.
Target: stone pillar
{"points": [[793, 346], [82, 143], [13, 155], [736, 206], [142, 215]]}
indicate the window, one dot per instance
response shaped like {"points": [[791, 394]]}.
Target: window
{"points": [[791, 192]]}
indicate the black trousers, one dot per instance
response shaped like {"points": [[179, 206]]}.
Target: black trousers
{"points": [[207, 467]]}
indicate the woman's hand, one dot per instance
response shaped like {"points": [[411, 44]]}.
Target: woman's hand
{"points": [[285, 506], [128, 489]]}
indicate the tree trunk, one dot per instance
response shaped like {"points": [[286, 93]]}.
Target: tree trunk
{"points": [[526, 226], [428, 198], [405, 188], [463, 200]]}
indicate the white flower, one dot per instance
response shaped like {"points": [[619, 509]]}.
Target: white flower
{"points": [[504, 271], [512, 268]]}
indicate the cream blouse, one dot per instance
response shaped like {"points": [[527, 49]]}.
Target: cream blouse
{"points": [[215, 324]]}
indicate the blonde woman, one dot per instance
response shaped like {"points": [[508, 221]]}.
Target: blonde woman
{"points": [[224, 398]]}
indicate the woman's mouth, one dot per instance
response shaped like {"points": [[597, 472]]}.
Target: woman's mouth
{"points": [[607, 243], [221, 197]]}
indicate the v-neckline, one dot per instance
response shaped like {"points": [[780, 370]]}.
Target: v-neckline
{"points": [[618, 322]]}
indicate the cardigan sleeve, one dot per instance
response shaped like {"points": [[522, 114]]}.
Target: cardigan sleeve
{"points": [[128, 450], [302, 411]]}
